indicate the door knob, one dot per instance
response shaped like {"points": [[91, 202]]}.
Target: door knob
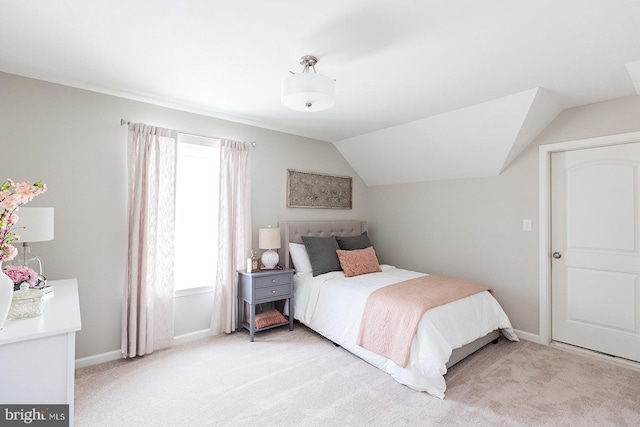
{"points": [[557, 255]]}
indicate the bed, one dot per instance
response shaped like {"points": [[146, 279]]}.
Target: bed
{"points": [[333, 304]]}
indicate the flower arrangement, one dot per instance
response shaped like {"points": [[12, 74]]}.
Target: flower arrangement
{"points": [[21, 275], [12, 196]]}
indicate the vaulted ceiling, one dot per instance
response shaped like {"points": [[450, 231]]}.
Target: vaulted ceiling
{"points": [[426, 90]]}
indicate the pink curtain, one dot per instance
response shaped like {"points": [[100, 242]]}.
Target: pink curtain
{"points": [[148, 301], [234, 232]]}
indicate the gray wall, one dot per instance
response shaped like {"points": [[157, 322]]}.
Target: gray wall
{"points": [[472, 228], [73, 141]]}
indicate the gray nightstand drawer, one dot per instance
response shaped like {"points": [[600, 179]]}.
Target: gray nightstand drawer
{"points": [[272, 291], [272, 280]]}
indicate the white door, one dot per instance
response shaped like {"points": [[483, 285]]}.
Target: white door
{"points": [[595, 238]]}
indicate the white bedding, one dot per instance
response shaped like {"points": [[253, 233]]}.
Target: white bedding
{"points": [[332, 305]]}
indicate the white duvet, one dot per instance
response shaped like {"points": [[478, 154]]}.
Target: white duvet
{"points": [[332, 305]]}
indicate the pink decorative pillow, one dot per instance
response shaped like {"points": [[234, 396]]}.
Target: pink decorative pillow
{"points": [[359, 261], [268, 318]]}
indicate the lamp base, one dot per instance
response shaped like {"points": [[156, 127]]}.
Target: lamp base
{"points": [[270, 259], [25, 258]]}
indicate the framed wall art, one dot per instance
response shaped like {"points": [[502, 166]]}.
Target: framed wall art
{"points": [[318, 190]]}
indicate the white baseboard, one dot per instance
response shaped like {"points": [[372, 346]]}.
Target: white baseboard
{"points": [[98, 358], [117, 354], [527, 336], [192, 336]]}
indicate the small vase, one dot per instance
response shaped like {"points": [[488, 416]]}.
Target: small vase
{"points": [[6, 295]]}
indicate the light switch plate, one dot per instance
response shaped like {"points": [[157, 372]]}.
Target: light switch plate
{"points": [[526, 225]]}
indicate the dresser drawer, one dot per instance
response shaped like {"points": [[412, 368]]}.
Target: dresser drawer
{"points": [[272, 291], [273, 280]]}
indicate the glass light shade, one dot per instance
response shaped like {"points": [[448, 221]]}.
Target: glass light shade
{"points": [[308, 92]]}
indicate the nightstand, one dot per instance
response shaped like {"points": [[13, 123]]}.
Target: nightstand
{"points": [[261, 287]]}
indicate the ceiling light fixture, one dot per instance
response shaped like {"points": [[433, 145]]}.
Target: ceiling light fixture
{"points": [[308, 91]]}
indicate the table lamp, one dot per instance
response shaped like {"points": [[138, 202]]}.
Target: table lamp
{"points": [[269, 238], [34, 225]]}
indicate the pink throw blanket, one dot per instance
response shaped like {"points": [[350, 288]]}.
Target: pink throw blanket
{"points": [[392, 313]]}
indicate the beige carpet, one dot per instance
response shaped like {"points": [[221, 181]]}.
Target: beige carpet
{"points": [[300, 379]]}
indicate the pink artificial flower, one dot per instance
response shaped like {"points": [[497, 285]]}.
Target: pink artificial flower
{"points": [[12, 219], [10, 202], [8, 252], [12, 196], [26, 192], [21, 274]]}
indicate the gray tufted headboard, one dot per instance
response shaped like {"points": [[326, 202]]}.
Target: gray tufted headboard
{"points": [[292, 231]]}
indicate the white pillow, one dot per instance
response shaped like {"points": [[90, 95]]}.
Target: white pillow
{"points": [[300, 258]]}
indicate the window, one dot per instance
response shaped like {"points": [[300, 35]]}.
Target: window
{"points": [[197, 187]]}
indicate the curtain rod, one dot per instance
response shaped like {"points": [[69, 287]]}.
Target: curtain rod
{"points": [[125, 122]]}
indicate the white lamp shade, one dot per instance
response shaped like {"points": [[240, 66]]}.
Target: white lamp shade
{"points": [[308, 92], [38, 223], [269, 238]]}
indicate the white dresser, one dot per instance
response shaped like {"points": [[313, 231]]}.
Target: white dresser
{"points": [[37, 355]]}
